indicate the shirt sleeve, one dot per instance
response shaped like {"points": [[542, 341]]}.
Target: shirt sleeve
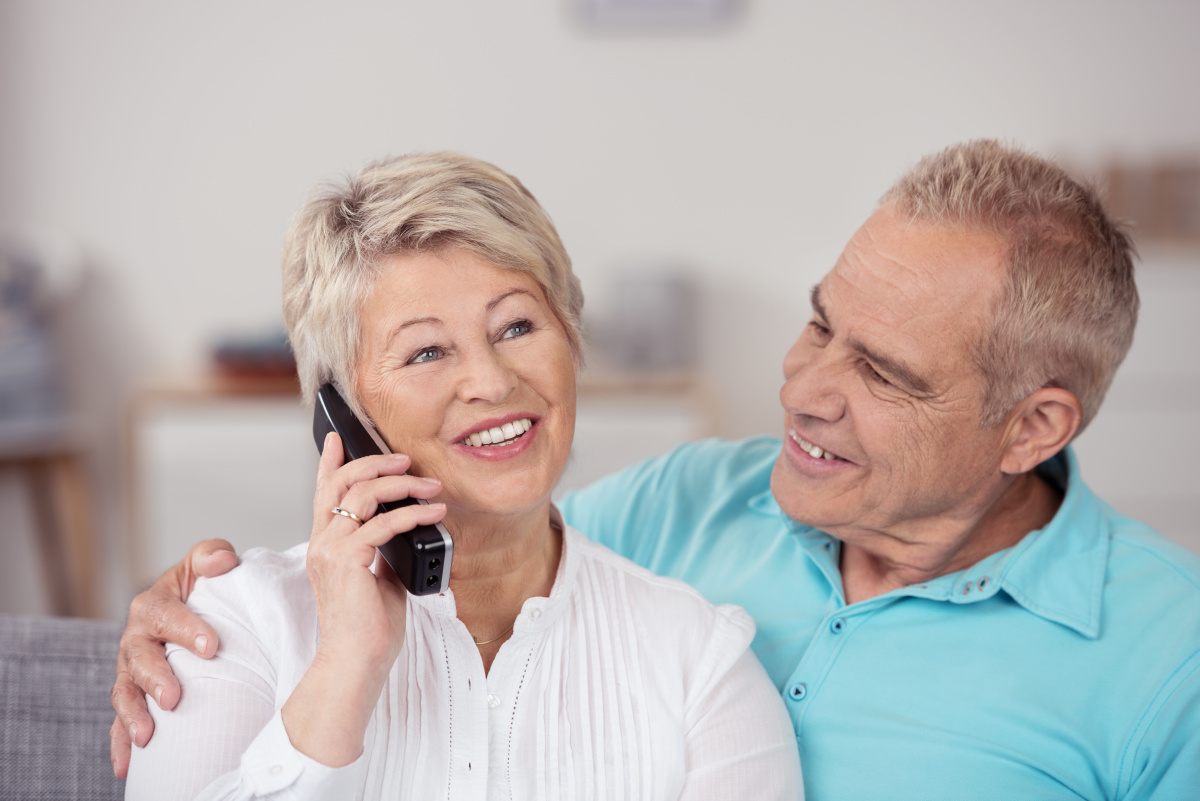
{"points": [[740, 742], [225, 739], [1164, 760]]}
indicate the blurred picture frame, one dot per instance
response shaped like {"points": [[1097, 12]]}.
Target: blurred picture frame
{"points": [[655, 14]]}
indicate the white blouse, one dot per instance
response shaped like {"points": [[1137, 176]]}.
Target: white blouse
{"points": [[621, 684]]}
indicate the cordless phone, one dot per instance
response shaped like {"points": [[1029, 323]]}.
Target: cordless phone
{"points": [[420, 558]]}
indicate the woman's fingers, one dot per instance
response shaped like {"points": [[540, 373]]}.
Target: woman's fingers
{"points": [[335, 479], [363, 498], [381, 529]]}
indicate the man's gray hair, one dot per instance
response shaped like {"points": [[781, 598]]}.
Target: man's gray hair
{"points": [[333, 252], [1066, 314]]}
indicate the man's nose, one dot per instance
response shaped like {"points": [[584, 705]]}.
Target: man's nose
{"points": [[813, 383], [485, 377]]}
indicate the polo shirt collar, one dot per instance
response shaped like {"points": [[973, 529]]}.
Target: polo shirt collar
{"points": [[1056, 572]]}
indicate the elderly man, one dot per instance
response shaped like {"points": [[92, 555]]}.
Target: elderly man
{"points": [[946, 608]]}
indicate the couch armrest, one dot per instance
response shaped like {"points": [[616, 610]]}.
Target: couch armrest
{"points": [[55, 677]]}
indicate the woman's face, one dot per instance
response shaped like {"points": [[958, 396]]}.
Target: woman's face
{"points": [[456, 352]]}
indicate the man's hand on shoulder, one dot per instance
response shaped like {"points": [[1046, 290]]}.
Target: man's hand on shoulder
{"points": [[156, 617]]}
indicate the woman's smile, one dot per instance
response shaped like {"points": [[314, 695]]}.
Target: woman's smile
{"points": [[500, 438]]}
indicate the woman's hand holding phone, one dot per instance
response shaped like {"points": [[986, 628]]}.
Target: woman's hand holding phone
{"points": [[361, 614]]}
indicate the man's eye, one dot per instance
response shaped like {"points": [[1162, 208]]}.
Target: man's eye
{"points": [[517, 329], [820, 330], [426, 355], [875, 376]]}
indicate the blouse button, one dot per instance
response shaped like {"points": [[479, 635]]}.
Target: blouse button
{"points": [[493, 701], [535, 613], [798, 691], [276, 770]]}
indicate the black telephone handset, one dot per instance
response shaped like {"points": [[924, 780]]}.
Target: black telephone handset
{"points": [[421, 557]]}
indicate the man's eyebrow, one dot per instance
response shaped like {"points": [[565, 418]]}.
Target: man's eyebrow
{"points": [[896, 370], [814, 297]]}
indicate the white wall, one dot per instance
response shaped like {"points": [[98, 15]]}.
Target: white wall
{"points": [[174, 140]]}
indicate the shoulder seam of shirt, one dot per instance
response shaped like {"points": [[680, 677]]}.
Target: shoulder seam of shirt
{"points": [[1159, 556], [1189, 668]]}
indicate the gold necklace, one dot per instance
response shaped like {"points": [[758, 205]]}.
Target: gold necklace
{"points": [[501, 634]]}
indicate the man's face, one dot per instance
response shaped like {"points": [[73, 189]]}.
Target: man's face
{"points": [[881, 381]]}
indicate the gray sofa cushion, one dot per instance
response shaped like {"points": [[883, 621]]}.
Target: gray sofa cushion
{"points": [[55, 677]]}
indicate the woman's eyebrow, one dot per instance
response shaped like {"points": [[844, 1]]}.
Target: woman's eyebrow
{"points": [[409, 324], [438, 321], [496, 300]]}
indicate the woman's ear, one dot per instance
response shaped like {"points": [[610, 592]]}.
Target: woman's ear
{"points": [[1042, 425]]}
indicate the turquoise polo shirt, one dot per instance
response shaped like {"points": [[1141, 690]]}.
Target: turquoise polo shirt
{"points": [[1065, 667]]}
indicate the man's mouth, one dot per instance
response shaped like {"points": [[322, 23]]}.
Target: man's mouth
{"points": [[499, 435], [815, 451]]}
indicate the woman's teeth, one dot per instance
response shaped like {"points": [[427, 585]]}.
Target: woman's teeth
{"points": [[500, 435], [814, 451]]}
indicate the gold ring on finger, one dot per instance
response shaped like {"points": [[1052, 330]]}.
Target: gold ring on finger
{"points": [[337, 510]]}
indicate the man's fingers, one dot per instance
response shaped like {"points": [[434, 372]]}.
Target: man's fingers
{"points": [[118, 749], [211, 558], [167, 619], [147, 667], [132, 714]]}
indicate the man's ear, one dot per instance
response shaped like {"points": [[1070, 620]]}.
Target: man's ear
{"points": [[1041, 425]]}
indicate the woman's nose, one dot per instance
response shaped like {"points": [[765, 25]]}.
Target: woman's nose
{"points": [[812, 383], [486, 378]]}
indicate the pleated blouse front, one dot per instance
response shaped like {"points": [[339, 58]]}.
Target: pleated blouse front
{"points": [[620, 684]]}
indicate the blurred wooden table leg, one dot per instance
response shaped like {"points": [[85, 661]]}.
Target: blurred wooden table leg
{"points": [[62, 516]]}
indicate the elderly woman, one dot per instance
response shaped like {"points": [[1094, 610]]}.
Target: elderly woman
{"points": [[434, 291]]}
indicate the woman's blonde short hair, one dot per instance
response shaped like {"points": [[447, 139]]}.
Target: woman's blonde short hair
{"points": [[1066, 314], [333, 251]]}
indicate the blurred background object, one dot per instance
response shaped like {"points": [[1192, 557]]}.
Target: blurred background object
{"points": [[733, 152], [40, 446], [650, 325], [265, 355], [661, 16], [1162, 196]]}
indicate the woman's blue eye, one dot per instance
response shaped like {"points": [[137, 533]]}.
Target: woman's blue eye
{"points": [[518, 329], [426, 355]]}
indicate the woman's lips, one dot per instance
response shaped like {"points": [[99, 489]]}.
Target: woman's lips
{"points": [[515, 437], [498, 435]]}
